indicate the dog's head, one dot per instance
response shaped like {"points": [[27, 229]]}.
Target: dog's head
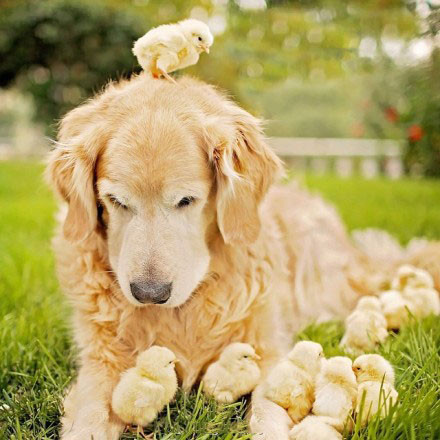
{"points": [[162, 171]]}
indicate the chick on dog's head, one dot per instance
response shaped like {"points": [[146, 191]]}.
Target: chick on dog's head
{"points": [[197, 33], [373, 367], [155, 177]]}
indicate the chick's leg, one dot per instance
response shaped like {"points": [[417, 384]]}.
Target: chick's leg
{"points": [[165, 63], [168, 77], [88, 406]]}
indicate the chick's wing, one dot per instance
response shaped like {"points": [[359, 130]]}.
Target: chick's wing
{"points": [[149, 394]]}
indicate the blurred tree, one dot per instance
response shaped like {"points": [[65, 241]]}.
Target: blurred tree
{"points": [[62, 51], [304, 64], [405, 99]]}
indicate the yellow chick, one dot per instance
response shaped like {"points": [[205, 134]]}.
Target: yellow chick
{"points": [[366, 326], [395, 309], [336, 391], [314, 428], [235, 374], [170, 47], [375, 378], [422, 301], [144, 390], [290, 384], [410, 276]]}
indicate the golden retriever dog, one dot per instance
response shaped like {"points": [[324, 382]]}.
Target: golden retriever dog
{"points": [[174, 235]]}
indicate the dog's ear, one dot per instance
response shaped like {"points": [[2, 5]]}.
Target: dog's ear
{"points": [[71, 168], [244, 167]]}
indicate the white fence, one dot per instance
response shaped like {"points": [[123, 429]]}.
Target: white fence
{"points": [[27, 146], [368, 157]]}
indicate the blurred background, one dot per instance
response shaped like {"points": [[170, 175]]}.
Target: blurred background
{"points": [[345, 86]]}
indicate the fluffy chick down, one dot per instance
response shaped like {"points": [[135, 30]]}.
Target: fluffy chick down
{"points": [[290, 384], [366, 326], [235, 374], [144, 390], [336, 391], [171, 47], [376, 392]]}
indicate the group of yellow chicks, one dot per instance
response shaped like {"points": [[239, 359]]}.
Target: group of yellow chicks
{"points": [[318, 394], [412, 294], [324, 396]]}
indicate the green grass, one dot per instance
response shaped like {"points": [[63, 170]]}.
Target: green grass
{"points": [[406, 208], [37, 359]]}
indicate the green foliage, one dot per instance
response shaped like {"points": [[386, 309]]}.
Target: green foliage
{"points": [[64, 51], [422, 89], [406, 208], [405, 103], [37, 359], [291, 108]]}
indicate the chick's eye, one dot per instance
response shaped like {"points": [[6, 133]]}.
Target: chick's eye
{"points": [[199, 38], [113, 199], [185, 202]]}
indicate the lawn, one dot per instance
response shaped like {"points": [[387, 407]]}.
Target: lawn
{"points": [[37, 360]]}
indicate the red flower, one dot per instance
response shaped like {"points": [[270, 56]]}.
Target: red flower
{"points": [[415, 133], [391, 114]]}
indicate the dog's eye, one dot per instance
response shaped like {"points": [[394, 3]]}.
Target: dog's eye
{"points": [[185, 202], [116, 202]]}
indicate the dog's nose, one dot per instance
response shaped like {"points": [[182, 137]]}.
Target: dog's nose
{"points": [[149, 292]]}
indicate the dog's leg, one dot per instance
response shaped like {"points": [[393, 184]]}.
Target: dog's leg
{"points": [[88, 413], [268, 421]]}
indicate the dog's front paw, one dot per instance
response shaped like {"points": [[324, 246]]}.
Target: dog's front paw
{"points": [[268, 421], [108, 430], [84, 435], [113, 433], [265, 429]]}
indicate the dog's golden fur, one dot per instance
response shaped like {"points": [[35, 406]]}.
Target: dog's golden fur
{"points": [[265, 260]]}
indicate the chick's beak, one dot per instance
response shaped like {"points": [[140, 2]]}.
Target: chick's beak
{"points": [[205, 47], [256, 357]]}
